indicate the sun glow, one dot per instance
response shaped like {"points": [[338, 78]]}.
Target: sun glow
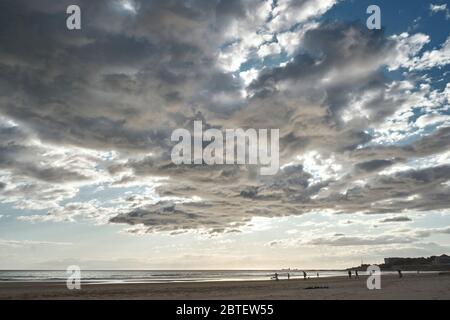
{"points": [[129, 5]]}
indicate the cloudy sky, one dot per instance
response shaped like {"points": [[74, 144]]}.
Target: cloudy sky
{"points": [[86, 118]]}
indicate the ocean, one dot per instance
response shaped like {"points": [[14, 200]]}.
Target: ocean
{"points": [[155, 276], [163, 276]]}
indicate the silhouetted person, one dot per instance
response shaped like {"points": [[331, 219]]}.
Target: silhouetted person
{"points": [[400, 273], [317, 274], [356, 274], [289, 276], [276, 276], [349, 273], [304, 275]]}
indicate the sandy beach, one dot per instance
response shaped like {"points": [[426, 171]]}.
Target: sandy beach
{"points": [[417, 286]]}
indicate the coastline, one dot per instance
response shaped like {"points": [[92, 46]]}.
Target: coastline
{"points": [[411, 286]]}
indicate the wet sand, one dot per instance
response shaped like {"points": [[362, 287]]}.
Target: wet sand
{"points": [[411, 286]]}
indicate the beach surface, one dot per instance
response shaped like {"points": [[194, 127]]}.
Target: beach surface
{"points": [[411, 286]]}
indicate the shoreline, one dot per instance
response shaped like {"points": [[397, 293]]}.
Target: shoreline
{"points": [[411, 286]]}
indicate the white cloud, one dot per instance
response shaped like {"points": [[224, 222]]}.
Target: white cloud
{"points": [[269, 49], [431, 119], [290, 41], [248, 35], [321, 168], [231, 58], [437, 7], [129, 5], [249, 75], [30, 243], [433, 58], [290, 12], [407, 47]]}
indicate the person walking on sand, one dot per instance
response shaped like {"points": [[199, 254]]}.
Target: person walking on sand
{"points": [[400, 275], [289, 276], [356, 274], [304, 275], [276, 276], [350, 274]]}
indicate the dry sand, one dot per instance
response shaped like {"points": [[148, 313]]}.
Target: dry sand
{"points": [[412, 286]]}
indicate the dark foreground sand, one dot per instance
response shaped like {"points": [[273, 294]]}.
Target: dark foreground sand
{"points": [[423, 286]]}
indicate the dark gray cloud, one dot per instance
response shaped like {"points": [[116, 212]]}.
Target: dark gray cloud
{"points": [[19, 156], [373, 165], [361, 241], [121, 82], [330, 55], [396, 219], [22, 167]]}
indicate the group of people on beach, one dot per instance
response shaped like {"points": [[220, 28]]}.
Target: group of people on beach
{"points": [[400, 274], [350, 274], [305, 275]]}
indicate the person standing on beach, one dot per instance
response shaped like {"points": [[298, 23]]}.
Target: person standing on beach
{"points": [[276, 276], [289, 276], [356, 274], [304, 275], [350, 274], [317, 274], [400, 275]]}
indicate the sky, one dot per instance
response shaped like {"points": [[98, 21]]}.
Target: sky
{"points": [[86, 118]]}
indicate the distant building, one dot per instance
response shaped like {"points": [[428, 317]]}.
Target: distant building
{"points": [[393, 261], [442, 260], [408, 261]]}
